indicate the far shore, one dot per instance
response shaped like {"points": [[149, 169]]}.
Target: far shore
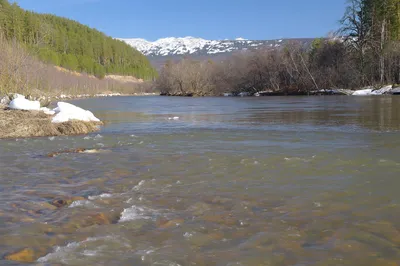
{"points": [[367, 91], [83, 96]]}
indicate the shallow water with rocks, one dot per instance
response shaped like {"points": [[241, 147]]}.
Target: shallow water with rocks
{"points": [[209, 181]]}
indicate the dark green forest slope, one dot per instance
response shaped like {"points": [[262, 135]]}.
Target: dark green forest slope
{"points": [[69, 44]]}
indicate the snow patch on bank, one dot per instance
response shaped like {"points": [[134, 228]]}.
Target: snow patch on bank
{"points": [[47, 111], [372, 91], [64, 112], [21, 103]]}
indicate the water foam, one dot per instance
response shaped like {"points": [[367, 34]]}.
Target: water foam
{"points": [[83, 203], [71, 250], [306, 160], [136, 213], [102, 196], [98, 136], [139, 186], [60, 253]]}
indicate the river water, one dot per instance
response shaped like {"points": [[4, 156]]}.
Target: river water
{"points": [[229, 181]]}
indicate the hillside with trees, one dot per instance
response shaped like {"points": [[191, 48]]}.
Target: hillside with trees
{"points": [[365, 51], [71, 45]]}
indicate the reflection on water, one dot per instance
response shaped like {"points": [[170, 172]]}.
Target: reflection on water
{"points": [[249, 181]]}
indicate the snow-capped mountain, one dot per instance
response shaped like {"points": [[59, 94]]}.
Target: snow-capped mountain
{"points": [[197, 46]]}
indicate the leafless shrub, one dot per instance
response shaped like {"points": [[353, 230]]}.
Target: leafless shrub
{"points": [[187, 78]]}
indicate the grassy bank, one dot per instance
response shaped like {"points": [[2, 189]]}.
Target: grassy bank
{"points": [[24, 124]]}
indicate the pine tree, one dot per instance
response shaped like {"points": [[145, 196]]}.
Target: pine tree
{"points": [[72, 45]]}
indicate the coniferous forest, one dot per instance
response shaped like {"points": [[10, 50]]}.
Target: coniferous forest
{"points": [[71, 45]]}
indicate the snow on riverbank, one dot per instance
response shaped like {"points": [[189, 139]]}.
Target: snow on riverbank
{"points": [[372, 91], [64, 112], [20, 103]]}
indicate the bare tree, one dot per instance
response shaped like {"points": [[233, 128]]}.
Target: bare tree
{"points": [[356, 29]]}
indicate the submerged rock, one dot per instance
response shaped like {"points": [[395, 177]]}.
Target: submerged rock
{"points": [[199, 208], [382, 229], [25, 255], [99, 219], [47, 206], [216, 236], [78, 150], [54, 154], [222, 219], [59, 203], [170, 223], [90, 219]]}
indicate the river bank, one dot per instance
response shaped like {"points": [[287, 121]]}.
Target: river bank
{"points": [[23, 118], [42, 97], [366, 91], [84, 96], [27, 124]]}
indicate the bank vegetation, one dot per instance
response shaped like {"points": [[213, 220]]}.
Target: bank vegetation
{"points": [[21, 72], [365, 51]]}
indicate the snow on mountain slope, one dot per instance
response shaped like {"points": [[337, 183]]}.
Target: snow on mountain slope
{"points": [[197, 46]]}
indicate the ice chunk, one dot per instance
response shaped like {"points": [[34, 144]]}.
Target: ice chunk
{"points": [[21, 103], [47, 111], [66, 112]]}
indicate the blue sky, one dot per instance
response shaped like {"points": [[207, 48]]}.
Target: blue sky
{"points": [[209, 19]]}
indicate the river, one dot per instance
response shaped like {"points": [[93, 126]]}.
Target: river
{"points": [[210, 181]]}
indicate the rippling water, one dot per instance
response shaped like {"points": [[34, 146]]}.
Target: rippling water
{"points": [[233, 181]]}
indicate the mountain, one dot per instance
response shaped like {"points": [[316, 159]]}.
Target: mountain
{"points": [[168, 47], [71, 45]]}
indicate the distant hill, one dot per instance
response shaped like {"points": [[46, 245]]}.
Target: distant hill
{"points": [[176, 48], [71, 45]]}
